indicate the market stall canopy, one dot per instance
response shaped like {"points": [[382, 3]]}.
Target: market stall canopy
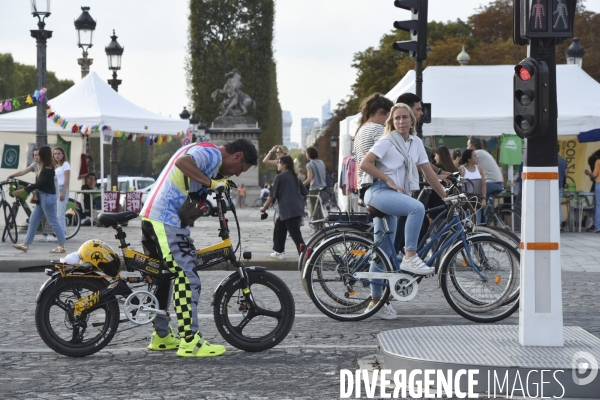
{"points": [[92, 101], [478, 100]]}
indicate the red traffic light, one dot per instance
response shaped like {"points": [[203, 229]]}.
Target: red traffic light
{"points": [[524, 72]]}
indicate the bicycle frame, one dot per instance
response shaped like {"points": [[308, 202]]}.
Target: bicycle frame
{"points": [[455, 221]]}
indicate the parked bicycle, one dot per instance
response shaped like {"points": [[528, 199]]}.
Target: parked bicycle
{"points": [[77, 312], [478, 275], [10, 217]]}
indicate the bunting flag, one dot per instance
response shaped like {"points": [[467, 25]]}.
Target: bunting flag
{"points": [[14, 103]]}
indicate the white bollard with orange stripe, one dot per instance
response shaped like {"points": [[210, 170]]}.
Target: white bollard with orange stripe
{"points": [[540, 312]]}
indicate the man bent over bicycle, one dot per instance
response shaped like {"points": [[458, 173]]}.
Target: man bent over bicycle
{"points": [[167, 237]]}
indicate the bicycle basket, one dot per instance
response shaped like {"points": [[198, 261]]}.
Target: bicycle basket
{"points": [[12, 187]]}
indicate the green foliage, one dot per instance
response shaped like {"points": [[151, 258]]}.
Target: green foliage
{"points": [[227, 34], [487, 37], [18, 80]]}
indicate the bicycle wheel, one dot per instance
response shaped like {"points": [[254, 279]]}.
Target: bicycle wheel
{"points": [[330, 281], [473, 297], [259, 329], [507, 216], [73, 223], [10, 224], [70, 335], [258, 203]]}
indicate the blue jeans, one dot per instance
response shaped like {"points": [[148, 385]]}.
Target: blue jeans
{"points": [[394, 204], [597, 211], [46, 207], [61, 208]]}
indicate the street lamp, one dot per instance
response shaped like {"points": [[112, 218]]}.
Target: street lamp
{"points": [[114, 51], [575, 53], [194, 125], [85, 26], [41, 10], [185, 114], [334, 143]]}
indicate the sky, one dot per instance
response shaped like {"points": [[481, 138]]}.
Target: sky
{"points": [[314, 44]]}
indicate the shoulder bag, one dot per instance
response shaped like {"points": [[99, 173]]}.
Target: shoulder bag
{"points": [[35, 199]]}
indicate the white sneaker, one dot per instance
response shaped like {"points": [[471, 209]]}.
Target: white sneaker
{"points": [[390, 307], [383, 313], [277, 255], [50, 238], [416, 266], [44, 238]]}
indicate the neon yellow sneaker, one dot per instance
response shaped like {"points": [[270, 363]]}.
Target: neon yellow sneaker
{"points": [[199, 347], [169, 342]]}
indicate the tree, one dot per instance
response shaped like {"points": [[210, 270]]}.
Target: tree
{"points": [[18, 80], [227, 34]]}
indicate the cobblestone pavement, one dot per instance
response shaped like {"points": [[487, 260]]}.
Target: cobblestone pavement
{"points": [[305, 365]]}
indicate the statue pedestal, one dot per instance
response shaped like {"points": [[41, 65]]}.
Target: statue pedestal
{"points": [[227, 129]]}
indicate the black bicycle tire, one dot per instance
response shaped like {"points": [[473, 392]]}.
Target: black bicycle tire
{"points": [[10, 224], [230, 332], [470, 314], [328, 310], [75, 215], [504, 209], [109, 329]]}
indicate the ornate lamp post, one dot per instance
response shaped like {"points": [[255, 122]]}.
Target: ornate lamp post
{"points": [[114, 51], [194, 125], [334, 144], [41, 10], [575, 53], [85, 26]]}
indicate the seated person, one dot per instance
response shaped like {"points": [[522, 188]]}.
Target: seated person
{"points": [[90, 184]]}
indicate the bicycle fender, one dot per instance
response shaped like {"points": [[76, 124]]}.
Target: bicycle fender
{"points": [[53, 279], [455, 245], [234, 275]]}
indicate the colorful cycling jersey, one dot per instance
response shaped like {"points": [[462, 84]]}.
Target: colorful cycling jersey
{"points": [[168, 193]]}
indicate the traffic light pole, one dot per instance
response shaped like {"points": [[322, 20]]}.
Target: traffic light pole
{"points": [[419, 90], [541, 314]]}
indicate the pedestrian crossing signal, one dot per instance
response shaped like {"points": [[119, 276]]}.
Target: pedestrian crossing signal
{"points": [[546, 18]]}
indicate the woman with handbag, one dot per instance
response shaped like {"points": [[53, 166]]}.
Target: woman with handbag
{"points": [[290, 194], [46, 191], [392, 163]]}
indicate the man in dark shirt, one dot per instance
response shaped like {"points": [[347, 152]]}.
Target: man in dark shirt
{"points": [[90, 184]]}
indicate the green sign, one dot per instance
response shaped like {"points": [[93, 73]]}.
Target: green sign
{"points": [[10, 157], [65, 145], [511, 149]]}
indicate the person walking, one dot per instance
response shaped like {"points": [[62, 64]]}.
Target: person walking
{"points": [[63, 175], [475, 180], [392, 162], [241, 193], [46, 190], [595, 175], [290, 194], [166, 237], [315, 170]]}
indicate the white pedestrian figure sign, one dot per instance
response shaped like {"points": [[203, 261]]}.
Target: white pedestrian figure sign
{"points": [[561, 13]]}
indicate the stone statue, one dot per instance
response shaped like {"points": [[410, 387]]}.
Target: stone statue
{"points": [[236, 102]]}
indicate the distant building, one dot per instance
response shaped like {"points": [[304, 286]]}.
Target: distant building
{"points": [[287, 128], [326, 113], [307, 125]]}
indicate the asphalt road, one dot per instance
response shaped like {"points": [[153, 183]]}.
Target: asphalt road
{"points": [[306, 365]]}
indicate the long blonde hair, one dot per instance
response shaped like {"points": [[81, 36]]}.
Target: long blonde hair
{"points": [[389, 124]]}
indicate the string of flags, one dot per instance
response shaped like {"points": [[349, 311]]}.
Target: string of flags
{"points": [[9, 104], [87, 130]]}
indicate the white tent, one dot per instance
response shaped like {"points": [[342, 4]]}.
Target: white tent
{"points": [[90, 101], [477, 100]]}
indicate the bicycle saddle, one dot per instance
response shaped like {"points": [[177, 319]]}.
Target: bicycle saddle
{"points": [[112, 219], [375, 213]]}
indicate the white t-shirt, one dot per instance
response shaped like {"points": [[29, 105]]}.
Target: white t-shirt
{"points": [[491, 170], [60, 173], [391, 162]]}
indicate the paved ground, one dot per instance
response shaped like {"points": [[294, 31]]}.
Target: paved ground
{"points": [[305, 366], [579, 250]]}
